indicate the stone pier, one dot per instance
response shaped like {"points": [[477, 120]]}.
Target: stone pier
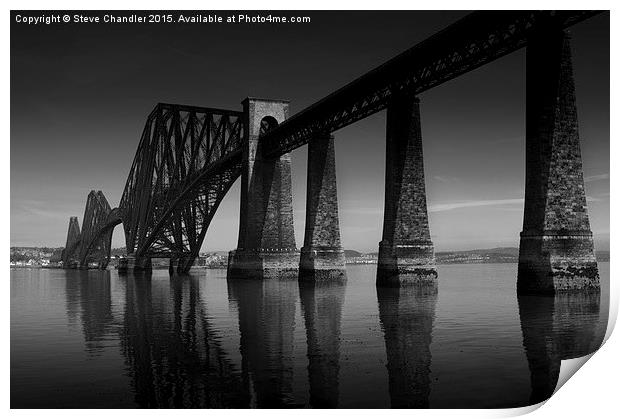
{"points": [[556, 251], [133, 264], [322, 256], [406, 255], [266, 246]]}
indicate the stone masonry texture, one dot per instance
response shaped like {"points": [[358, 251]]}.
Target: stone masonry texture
{"points": [[322, 256], [266, 246], [556, 251], [406, 254]]}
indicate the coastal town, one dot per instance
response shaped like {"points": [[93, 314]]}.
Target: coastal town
{"points": [[49, 257], [45, 257]]}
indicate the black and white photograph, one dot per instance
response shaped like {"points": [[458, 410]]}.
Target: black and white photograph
{"points": [[333, 209]]}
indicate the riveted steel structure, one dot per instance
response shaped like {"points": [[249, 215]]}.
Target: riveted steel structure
{"points": [[69, 256], [186, 161], [189, 157], [476, 40], [96, 239]]}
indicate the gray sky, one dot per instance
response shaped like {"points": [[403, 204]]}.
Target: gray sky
{"points": [[80, 95]]}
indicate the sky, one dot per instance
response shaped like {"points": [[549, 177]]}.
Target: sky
{"points": [[80, 95]]}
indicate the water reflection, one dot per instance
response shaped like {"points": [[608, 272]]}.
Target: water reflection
{"points": [[158, 341], [321, 303], [172, 356], [556, 328], [266, 312], [89, 298], [407, 315]]}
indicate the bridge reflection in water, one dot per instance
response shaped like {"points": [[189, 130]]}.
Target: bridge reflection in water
{"points": [[322, 309], [266, 327], [189, 157], [174, 356], [556, 328], [407, 316], [89, 299]]}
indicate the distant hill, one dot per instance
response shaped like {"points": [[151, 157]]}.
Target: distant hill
{"points": [[347, 253], [601, 255], [352, 253], [218, 252], [507, 251], [494, 255]]}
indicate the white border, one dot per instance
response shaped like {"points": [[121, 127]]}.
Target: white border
{"points": [[591, 393]]}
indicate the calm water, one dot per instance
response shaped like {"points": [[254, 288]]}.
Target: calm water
{"points": [[94, 339]]}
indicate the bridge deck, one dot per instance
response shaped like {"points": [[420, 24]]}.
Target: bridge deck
{"points": [[475, 40]]}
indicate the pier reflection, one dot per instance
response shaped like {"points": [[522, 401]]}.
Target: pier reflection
{"points": [[266, 324], [554, 328], [321, 303], [173, 357], [407, 315], [89, 298]]}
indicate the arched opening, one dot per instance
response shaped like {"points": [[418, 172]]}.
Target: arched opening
{"points": [[99, 251], [118, 245], [267, 124]]}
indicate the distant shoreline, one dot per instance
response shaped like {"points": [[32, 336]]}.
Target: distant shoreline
{"points": [[41, 257], [204, 268]]}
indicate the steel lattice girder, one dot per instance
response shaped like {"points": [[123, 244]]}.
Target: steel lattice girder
{"points": [[187, 160], [69, 253], [95, 239], [183, 230], [97, 245], [189, 157], [473, 41]]}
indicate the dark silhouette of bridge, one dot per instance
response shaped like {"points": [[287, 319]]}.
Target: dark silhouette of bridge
{"points": [[189, 157]]}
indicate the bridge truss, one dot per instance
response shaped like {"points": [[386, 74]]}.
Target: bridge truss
{"points": [[477, 39], [189, 157], [69, 256], [187, 160]]}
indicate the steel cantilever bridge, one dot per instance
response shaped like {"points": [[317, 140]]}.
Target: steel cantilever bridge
{"points": [[189, 157]]}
